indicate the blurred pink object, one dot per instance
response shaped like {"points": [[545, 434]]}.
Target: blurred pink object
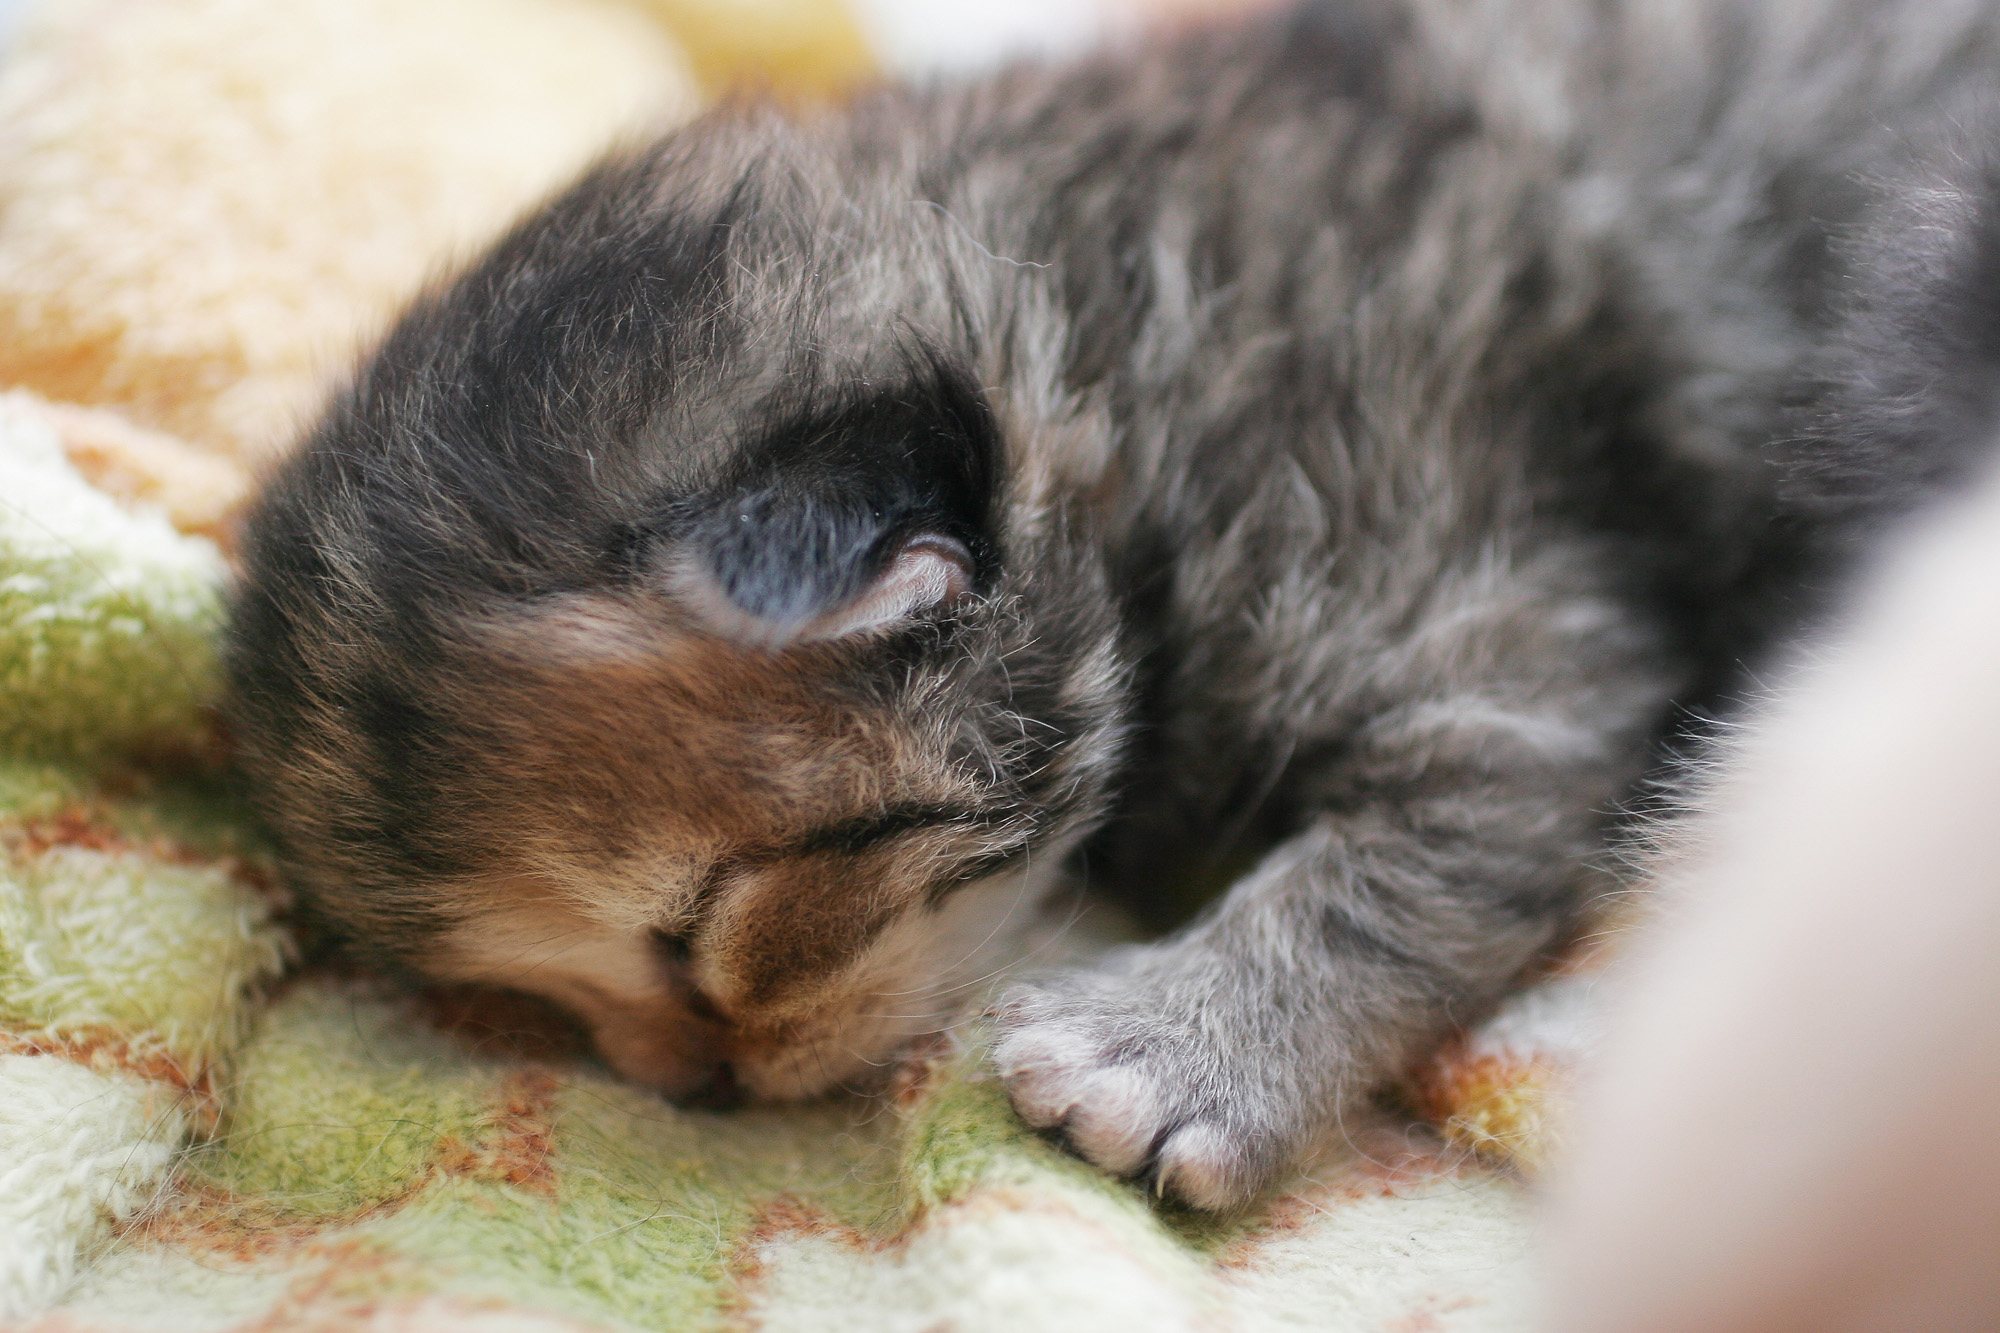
{"points": [[1794, 1124]]}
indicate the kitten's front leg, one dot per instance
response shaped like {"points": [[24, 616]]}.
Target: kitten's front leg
{"points": [[1448, 851]]}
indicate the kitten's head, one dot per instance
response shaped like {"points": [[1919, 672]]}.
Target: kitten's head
{"points": [[665, 622]]}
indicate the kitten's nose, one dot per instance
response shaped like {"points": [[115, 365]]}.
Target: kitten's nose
{"points": [[718, 1090]]}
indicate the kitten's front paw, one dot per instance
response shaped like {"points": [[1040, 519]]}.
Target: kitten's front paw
{"points": [[1140, 1089]]}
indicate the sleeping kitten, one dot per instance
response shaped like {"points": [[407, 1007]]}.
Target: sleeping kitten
{"points": [[1326, 446]]}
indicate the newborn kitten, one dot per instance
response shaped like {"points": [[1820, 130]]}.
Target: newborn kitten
{"points": [[1327, 445]]}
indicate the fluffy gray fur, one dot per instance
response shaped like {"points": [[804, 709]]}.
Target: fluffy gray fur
{"points": [[1380, 393]]}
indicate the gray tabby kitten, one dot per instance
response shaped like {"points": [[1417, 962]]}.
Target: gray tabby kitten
{"points": [[1320, 450]]}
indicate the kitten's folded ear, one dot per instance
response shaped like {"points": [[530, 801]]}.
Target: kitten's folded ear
{"points": [[848, 522], [929, 571], [925, 571]]}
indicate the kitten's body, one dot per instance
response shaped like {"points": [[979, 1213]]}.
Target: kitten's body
{"points": [[1331, 443]]}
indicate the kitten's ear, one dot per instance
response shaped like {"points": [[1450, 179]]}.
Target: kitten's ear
{"points": [[928, 572], [848, 521], [924, 572]]}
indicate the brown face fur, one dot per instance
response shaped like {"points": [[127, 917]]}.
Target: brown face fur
{"points": [[715, 858]]}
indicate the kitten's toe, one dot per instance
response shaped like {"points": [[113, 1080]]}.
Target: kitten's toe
{"points": [[1205, 1166], [1117, 1120], [1047, 1073]]}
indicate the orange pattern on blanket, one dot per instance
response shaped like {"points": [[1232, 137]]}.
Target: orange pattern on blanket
{"points": [[519, 1150], [1501, 1106]]}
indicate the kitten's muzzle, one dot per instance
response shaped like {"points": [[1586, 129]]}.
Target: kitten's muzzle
{"points": [[711, 1085]]}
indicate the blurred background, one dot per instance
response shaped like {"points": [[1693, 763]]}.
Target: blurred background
{"points": [[920, 36]]}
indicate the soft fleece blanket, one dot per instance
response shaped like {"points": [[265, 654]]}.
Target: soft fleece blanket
{"points": [[198, 1132]]}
